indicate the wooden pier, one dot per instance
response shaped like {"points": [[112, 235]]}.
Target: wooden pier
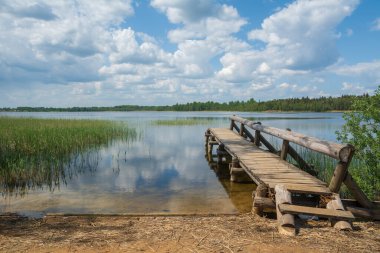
{"points": [[282, 186]]}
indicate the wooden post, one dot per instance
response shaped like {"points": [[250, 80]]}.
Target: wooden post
{"points": [[338, 177], [241, 132], [336, 204], [257, 138], [357, 192], [232, 124], [220, 152], [210, 145], [285, 221], [207, 137], [285, 148], [340, 173], [261, 192]]}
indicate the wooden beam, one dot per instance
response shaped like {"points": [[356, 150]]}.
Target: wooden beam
{"points": [[267, 144], [249, 135], [260, 203], [285, 221], [320, 212], [338, 176], [358, 194], [338, 151], [373, 214], [308, 189], [301, 162]]}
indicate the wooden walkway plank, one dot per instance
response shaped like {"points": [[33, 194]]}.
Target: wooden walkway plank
{"points": [[265, 167]]}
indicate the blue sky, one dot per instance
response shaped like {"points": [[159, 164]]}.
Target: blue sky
{"points": [[159, 52]]}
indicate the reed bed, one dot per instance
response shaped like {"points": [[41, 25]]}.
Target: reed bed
{"points": [[36, 152]]}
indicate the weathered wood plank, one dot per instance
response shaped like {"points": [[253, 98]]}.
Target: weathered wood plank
{"points": [[307, 189], [338, 151], [320, 212], [263, 166]]}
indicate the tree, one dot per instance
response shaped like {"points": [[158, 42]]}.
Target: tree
{"points": [[362, 129]]}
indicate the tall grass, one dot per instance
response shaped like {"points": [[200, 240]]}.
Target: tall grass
{"points": [[325, 166], [35, 152]]}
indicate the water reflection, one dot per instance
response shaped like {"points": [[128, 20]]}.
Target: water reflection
{"points": [[163, 171]]}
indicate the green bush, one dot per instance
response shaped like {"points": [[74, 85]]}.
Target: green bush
{"points": [[362, 130]]}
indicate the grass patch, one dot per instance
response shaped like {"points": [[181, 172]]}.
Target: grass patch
{"points": [[35, 152]]}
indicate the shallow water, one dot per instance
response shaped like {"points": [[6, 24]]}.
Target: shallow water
{"points": [[162, 171]]}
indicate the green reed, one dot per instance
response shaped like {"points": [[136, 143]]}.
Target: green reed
{"points": [[35, 152]]}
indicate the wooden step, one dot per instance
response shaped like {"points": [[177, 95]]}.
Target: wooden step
{"points": [[308, 190], [320, 212]]}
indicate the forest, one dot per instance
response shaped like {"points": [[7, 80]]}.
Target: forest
{"points": [[321, 104]]}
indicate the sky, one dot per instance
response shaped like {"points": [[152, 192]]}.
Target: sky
{"points": [[161, 52]]}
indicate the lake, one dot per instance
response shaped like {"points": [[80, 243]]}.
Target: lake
{"points": [[162, 170]]}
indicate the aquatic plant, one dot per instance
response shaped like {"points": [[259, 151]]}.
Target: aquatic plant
{"points": [[35, 152]]}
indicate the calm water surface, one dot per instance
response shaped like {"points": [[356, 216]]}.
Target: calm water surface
{"points": [[164, 170]]}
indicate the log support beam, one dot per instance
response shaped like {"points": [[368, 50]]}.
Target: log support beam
{"points": [[286, 225], [336, 204], [261, 193]]}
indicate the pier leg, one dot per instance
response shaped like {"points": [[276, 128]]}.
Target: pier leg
{"points": [[285, 221], [210, 145], [237, 173], [336, 204], [261, 192], [221, 152]]}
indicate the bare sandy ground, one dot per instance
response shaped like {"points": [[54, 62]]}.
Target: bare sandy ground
{"points": [[237, 233]]}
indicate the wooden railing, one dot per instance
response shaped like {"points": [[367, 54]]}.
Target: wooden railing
{"points": [[341, 152]]}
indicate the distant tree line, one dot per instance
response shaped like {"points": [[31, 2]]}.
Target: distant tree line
{"points": [[321, 104]]}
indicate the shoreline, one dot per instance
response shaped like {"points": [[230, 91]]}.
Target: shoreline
{"points": [[235, 233]]}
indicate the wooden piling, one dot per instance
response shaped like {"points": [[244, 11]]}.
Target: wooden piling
{"points": [[286, 225], [336, 204], [261, 193]]}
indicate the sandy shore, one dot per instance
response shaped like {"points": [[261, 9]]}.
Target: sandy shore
{"points": [[237, 233]]}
